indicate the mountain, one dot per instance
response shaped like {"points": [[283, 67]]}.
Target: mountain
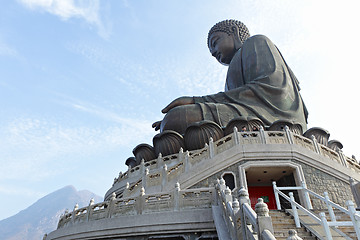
{"points": [[42, 217]]}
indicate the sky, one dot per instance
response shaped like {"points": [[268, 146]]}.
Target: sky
{"points": [[81, 82]]}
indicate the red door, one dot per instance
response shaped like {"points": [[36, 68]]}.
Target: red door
{"points": [[264, 192]]}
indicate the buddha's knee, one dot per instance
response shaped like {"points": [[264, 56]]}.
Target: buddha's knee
{"points": [[179, 118]]}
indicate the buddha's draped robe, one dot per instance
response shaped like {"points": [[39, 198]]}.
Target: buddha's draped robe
{"points": [[259, 84]]}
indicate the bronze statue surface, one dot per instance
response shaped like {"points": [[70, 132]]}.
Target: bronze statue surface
{"points": [[259, 84]]}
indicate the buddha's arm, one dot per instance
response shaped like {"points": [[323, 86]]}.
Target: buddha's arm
{"points": [[178, 102]]}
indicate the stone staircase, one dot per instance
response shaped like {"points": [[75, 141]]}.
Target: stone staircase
{"points": [[282, 223]]}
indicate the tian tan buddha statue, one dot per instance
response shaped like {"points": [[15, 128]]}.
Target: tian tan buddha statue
{"points": [[260, 88], [259, 84]]}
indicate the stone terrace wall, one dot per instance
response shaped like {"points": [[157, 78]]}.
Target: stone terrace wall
{"points": [[320, 182]]}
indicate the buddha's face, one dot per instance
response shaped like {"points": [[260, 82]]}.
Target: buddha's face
{"points": [[222, 47]]}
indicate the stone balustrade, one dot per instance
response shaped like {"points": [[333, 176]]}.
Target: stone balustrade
{"points": [[143, 204], [241, 220], [158, 172]]}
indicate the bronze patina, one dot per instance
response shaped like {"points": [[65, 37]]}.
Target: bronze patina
{"points": [[259, 84]]}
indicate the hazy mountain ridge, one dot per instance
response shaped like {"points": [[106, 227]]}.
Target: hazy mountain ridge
{"points": [[42, 216]]}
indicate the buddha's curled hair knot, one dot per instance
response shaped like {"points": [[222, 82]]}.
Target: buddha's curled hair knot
{"points": [[227, 26]]}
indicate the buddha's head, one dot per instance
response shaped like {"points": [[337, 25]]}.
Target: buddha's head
{"points": [[225, 38]]}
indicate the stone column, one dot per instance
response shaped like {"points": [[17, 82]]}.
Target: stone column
{"points": [[111, 205], [263, 219], [90, 209], [243, 198]]}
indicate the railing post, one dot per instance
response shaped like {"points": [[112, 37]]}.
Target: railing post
{"points": [[222, 185], [206, 146], [90, 209], [294, 209], [325, 225], [228, 196], [164, 177], [73, 214], [277, 199], [315, 143], [181, 155], [306, 195], [217, 192], [142, 166], [289, 135], [160, 161], [356, 223], [235, 206], [111, 205], [236, 209], [126, 190], [176, 196], [236, 136], [211, 148], [243, 198], [144, 178], [186, 161], [293, 235], [330, 209], [262, 135], [342, 157], [140, 201], [263, 219]]}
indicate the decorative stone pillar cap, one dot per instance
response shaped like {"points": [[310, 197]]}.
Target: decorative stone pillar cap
{"points": [[243, 193], [142, 191], [293, 235], [222, 181], [261, 208], [113, 196], [235, 204], [177, 186], [227, 191]]}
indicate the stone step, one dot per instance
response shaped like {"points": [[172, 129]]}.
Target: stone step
{"points": [[283, 222], [285, 234], [340, 216]]}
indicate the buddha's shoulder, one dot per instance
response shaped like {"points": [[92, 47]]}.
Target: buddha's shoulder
{"points": [[257, 38]]}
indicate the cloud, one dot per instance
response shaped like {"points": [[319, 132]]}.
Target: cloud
{"points": [[6, 50], [20, 191], [66, 9], [34, 149]]}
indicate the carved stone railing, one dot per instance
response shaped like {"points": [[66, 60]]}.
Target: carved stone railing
{"points": [[241, 220], [160, 171], [321, 220], [143, 204]]}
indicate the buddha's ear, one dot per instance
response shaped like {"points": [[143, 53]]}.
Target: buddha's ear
{"points": [[236, 34]]}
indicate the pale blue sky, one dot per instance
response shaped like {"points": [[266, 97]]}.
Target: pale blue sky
{"points": [[82, 81]]}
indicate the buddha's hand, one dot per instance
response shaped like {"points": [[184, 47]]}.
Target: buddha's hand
{"points": [[178, 102], [156, 125]]}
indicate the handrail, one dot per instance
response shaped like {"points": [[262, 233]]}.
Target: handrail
{"points": [[351, 211], [312, 215], [267, 235], [330, 202], [250, 214]]}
